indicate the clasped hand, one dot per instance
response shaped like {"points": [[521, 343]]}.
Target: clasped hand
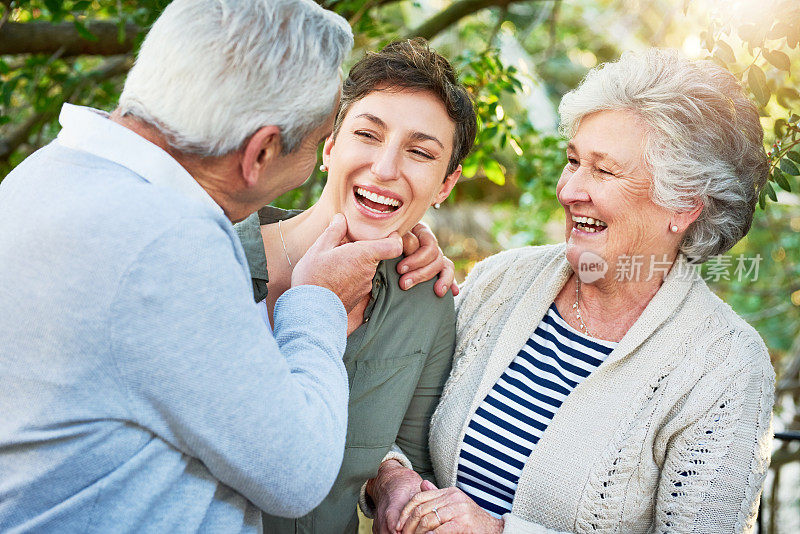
{"points": [[447, 510]]}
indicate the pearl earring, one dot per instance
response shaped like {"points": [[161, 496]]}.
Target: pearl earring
{"points": [[437, 206], [323, 168], [674, 228]]}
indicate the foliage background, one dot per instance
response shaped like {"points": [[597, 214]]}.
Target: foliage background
{"points": [[518, 57]]}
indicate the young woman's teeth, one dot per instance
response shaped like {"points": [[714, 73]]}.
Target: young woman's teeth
{"points": [[390, 203], [588, 224]]}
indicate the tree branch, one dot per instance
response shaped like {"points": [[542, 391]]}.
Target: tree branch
{"points": [[349, 13], [501, 17], [553, 22], [6, 12], [46, 38], [783, 456], [453, 13], [114, 66], [360, 13], [19, 135], [790, 373]]}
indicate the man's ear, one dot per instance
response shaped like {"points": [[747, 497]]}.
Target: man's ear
{"points": [[260, 150], [448, 184]]}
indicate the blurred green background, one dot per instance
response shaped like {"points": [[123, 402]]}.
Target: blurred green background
{"points": [[518, 57]]}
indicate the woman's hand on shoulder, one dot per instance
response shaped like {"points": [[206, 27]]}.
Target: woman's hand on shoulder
{"points": [[424, 260], [446, 511]]}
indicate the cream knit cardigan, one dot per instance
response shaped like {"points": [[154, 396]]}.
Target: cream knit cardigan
{"points": [[672, 433]]}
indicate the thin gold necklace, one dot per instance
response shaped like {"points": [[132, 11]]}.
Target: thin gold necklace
{"points": [[280, 232], [578, 310]]}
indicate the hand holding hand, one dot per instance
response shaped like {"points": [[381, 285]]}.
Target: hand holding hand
{"points": [[443, 511], [424, 260], [390, 490], [347, 269]]}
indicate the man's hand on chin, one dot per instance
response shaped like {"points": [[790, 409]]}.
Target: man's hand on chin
{"points": [[346, 269]]}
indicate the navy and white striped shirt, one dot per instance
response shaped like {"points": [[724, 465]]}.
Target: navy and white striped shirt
{"points": [[511, 419]]}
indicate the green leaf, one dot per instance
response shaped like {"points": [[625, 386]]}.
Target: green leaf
{"points": [[725, 52], [781, 180], [762, 199], [779, 128], [778, 59], [121, 31], [7, 91], [716, 59], [55, 7], [757, 81], [84, 32], [470, 167], [785, 96], [771, 192], [793, 35], [494, 172], [780, 29], [708, 40], [750, 34], [788, 167], [793, 155]]}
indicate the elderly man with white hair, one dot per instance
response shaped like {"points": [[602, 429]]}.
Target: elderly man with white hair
{"points": [[141, 388]]}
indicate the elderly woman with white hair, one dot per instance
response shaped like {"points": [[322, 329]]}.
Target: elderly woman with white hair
{"points": [[587, 396]]}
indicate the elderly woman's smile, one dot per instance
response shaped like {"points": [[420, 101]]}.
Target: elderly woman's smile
{"points": [[588, 224], [605, 191]]}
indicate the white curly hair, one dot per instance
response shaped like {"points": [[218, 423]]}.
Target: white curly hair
{"points": [[704, 142]]}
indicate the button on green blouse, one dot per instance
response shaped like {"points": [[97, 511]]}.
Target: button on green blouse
{"points": [[397, 363]]}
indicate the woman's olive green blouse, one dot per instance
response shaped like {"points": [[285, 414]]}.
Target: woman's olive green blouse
{"points": [[397, 363]]}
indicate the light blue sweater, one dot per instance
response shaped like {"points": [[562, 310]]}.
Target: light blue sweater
{"points": [[140, 389]]}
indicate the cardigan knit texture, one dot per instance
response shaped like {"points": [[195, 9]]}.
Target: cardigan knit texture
{"points": [[672, 433]]}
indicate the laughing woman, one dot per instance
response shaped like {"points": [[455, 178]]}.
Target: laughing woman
{"points": [[626, 399], [403, 128]]}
